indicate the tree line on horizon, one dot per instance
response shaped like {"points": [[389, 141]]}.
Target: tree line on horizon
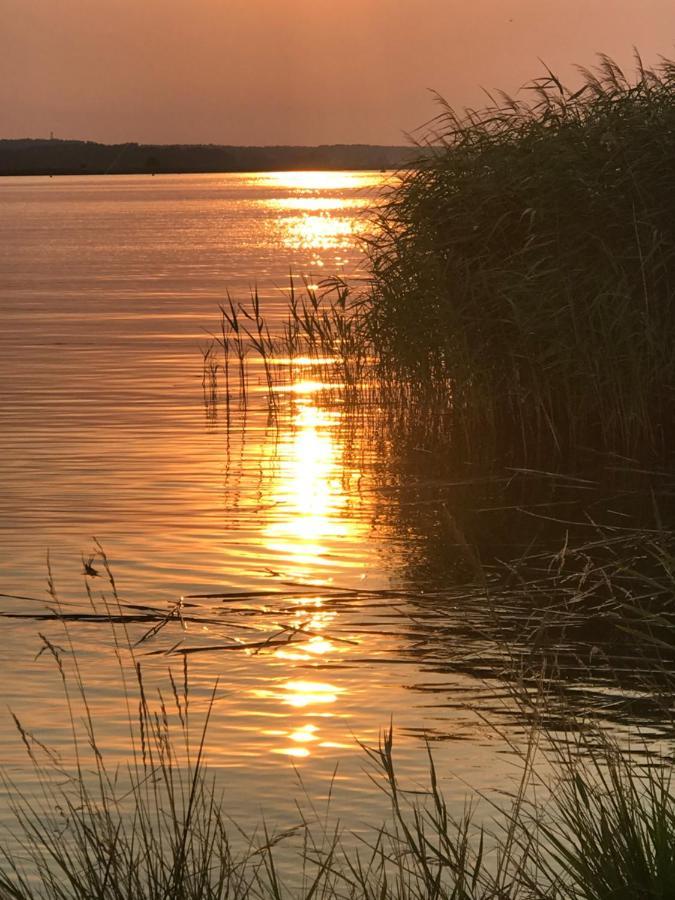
{"points": [[73, 157]]}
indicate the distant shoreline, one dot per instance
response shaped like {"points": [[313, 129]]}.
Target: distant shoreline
{"points": [[30, 156]]}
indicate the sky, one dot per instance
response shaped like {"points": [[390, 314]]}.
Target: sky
{"points": [[292, 71]]}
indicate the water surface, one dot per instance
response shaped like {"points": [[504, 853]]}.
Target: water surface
{"points": [[110, 290]]}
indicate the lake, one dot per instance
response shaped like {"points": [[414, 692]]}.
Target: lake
{"points": [[318, 545]]}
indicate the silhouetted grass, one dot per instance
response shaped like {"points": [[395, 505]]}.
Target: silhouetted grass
{"points": [[87, 829], [589, 820], [527, 268]]}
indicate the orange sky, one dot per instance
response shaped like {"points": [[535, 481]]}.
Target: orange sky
{"points": [[289, 71]]}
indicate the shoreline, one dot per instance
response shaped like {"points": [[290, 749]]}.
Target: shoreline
{"points": [[59, 157]]}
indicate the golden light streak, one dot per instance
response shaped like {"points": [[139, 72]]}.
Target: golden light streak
{"points": [[320, 231], [308, 497], [301, 694], [316, 181], [311, 204], [309, 492]]}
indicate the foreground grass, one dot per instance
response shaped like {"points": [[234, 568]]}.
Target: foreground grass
{"points": [[527, 266], [596, 821]]}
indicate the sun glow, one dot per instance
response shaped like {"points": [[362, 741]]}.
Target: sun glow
{"points": [[320, 231], [315, 181], [310, 498], [310, 693], [323, 210], [309, 494], [311, 204]]}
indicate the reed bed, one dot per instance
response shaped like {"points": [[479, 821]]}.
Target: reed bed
{"points": [[526, 266], [323, 340], [319, 338]]}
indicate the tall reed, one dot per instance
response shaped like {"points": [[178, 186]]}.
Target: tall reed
{"points": [[527, 267]]}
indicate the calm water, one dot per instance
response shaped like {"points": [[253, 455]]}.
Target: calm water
{"points": [[109, 289]]}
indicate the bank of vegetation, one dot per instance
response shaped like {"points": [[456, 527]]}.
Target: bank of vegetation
{"points": [[527, 265], [39, 156]]}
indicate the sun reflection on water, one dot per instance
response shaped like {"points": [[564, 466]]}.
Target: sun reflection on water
{"points": [[312, 509], [309, 493], [323, 211], [313, 523], [311, 203], [320, 231], [319, 180]]}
